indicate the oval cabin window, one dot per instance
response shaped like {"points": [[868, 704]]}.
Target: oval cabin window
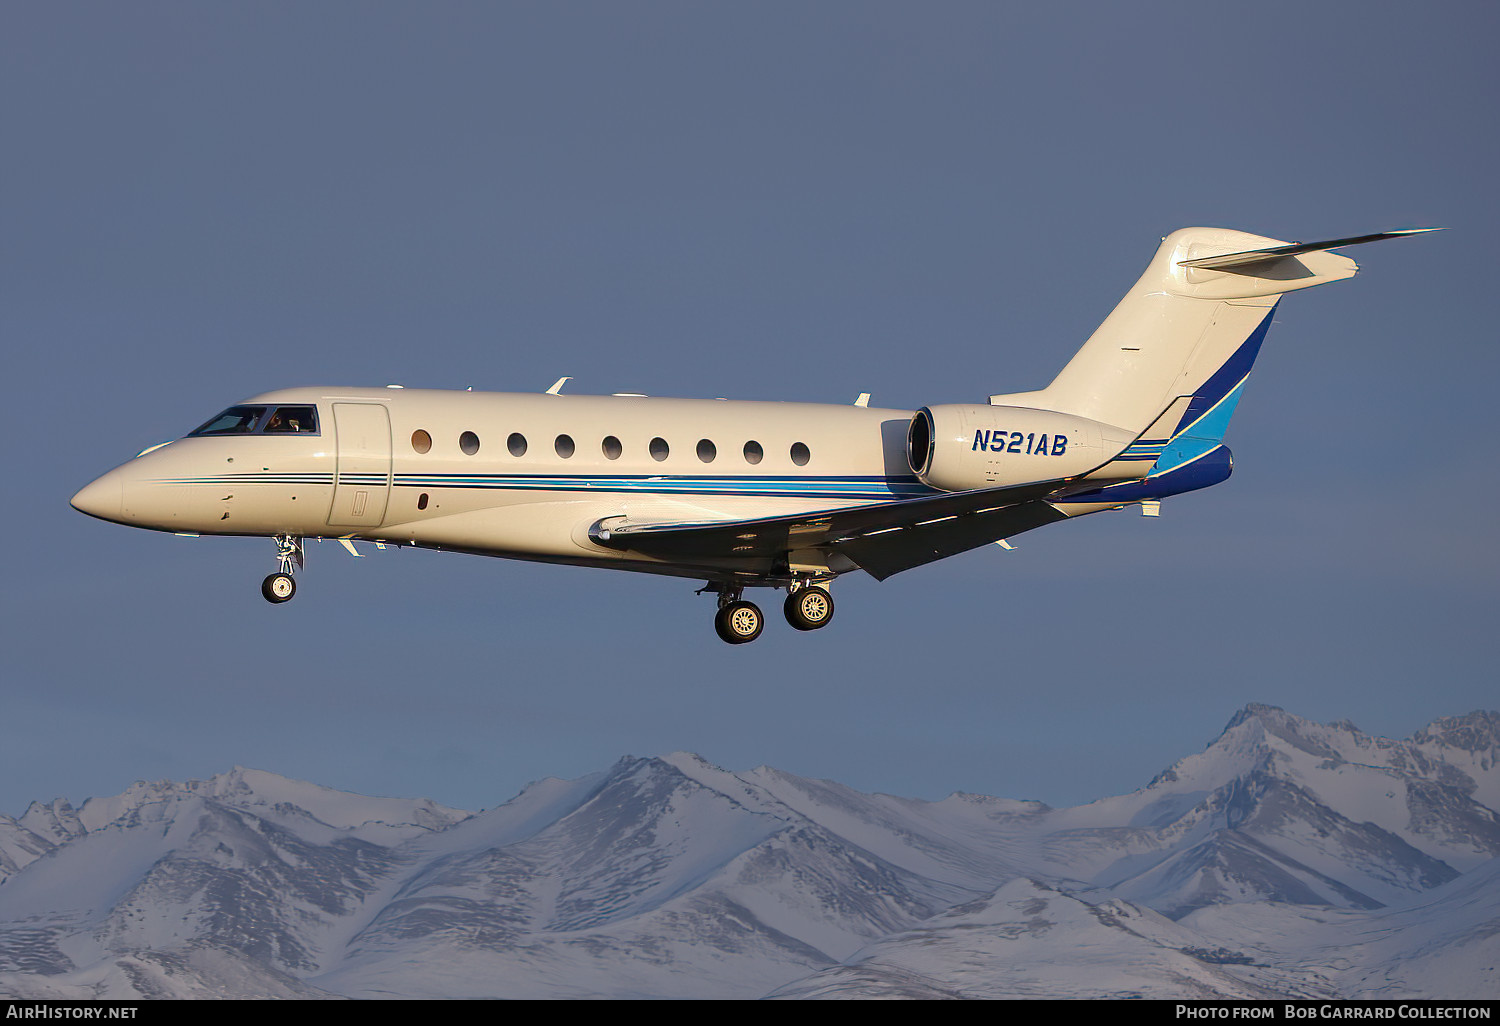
{"points": [[516, 443], [421, 441], [800, 454], [611, 447], [469, 443], [659, 449], [753, 452], [564, 446]]}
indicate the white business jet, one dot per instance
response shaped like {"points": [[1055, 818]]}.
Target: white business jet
{"points": [[744, 494]]}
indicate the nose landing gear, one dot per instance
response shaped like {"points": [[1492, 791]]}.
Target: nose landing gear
{"points": [[278, 587], [281, 586]]}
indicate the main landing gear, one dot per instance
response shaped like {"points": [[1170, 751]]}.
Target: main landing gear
{"points": [[808, 607], [738, 622], [281, 586]]}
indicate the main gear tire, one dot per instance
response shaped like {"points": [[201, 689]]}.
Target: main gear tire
{"points": [[808, 609], [739, 622]]}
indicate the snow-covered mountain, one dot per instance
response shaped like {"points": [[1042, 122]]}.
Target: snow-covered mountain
{"points": [[1025, 940], [1238, 872], [1282, 809]]}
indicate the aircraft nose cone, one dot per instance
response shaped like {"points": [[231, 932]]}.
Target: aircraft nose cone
{"points": [[104, 498]]}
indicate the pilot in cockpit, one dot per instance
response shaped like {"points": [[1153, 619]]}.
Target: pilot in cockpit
{"points": [[283, 421]]}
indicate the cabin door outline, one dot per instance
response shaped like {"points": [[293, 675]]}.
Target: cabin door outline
{"points": [[362, 478]]}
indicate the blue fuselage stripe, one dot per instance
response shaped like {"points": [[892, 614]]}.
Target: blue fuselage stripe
{"points": [[867, 487]]}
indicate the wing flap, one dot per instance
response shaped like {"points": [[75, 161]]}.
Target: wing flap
{"points": [[888, 553]]}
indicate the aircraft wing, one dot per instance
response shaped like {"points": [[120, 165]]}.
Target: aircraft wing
{"points": [[884, 538]]}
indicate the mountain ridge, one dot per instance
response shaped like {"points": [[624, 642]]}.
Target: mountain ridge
{"points": [[672, 877]]}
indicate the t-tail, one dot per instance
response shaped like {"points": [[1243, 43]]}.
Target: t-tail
{"points": [[1168, 365]]}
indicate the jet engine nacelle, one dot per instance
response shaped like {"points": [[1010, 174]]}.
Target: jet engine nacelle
{"points": [[956, 448]]}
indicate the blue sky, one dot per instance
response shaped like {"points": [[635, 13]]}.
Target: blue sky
{"points": [[773, 201]]}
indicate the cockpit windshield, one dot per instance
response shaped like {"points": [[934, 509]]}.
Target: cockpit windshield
{"points": [[237, 420], [249, 420]]}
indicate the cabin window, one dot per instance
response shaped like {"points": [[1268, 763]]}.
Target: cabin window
{"points": [[800, 454], [421, 441], [422, 501], [659, 449], [516, 443], [611, 447], [293, 420], [753, 452], [237, 420], [707, 451], [469, 443], [564, 446]]}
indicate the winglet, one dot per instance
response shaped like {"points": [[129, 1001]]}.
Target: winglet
{"points": [[1250, 257], [556, 388]]}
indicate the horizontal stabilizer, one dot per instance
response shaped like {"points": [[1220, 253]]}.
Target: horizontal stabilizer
{"points": [[1250, 257]]}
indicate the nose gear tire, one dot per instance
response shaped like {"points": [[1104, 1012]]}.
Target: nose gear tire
{"points": [[278, 587]]}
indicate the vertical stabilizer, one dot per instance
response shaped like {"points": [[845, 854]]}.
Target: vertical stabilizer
{"points": [[1194, 319]]}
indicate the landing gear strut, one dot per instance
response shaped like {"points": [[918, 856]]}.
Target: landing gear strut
{"points": [[281, 586]]}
